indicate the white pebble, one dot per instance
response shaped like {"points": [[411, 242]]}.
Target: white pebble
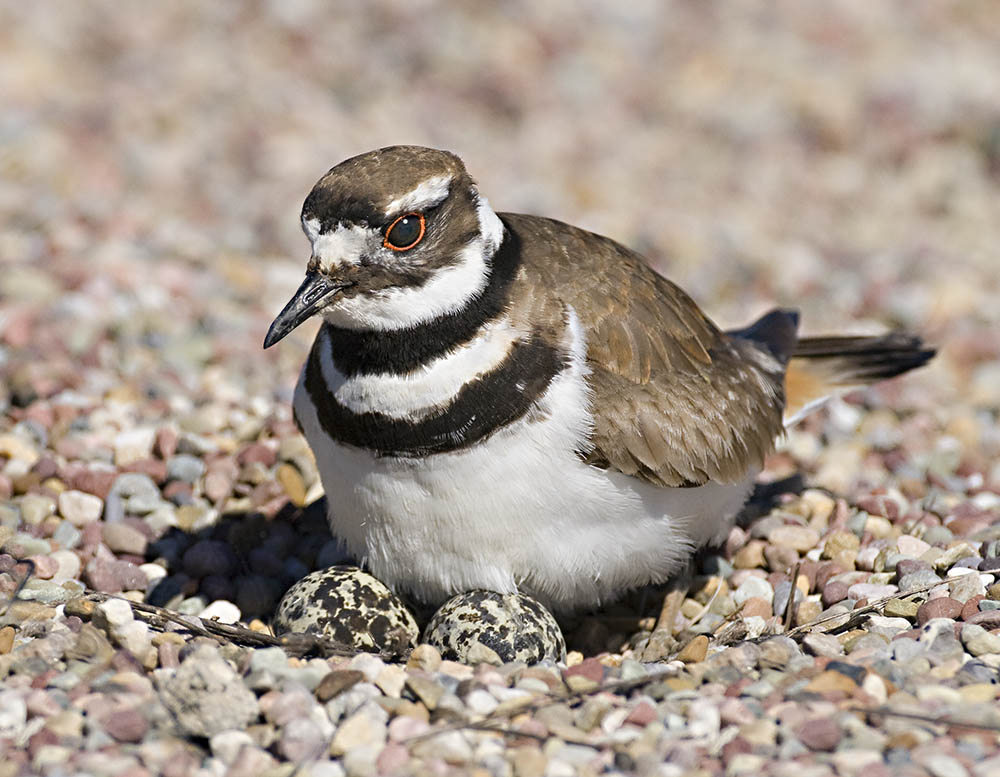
{"points": [[754, 587], [69, 565], [153, 572], [226, 745], [134, 445], [116, 612], [221, 611], [80, 508]]}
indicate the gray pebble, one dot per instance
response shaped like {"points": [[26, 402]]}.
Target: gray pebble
{"points": [[918, 579], [206, 696], [185, 467]]}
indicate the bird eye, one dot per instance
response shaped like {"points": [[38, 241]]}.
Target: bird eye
{"points": [[405, 232]]}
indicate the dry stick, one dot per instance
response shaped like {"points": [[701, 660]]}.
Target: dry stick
{"points": [[951, 722], [790, 606], [855, 616], [296, 643]]}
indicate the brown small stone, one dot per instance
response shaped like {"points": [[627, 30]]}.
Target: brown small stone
{"points": [[695, 651], [828, 681], [819, 733], [165, 444], [941, 607], [989, 619], [755, 605], [750, 556], [971, 606], [336, 682]]}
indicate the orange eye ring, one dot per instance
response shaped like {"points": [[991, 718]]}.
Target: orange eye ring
{"points": [[406, 226]]}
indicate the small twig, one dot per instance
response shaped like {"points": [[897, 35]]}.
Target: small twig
{"points": [[855, 616], [887, 712], [295, 643], [790, 606]]}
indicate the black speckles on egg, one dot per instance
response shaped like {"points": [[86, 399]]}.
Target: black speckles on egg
{"points": [[515, 626], [349, 606]]}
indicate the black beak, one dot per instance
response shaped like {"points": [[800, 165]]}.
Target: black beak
{"points": [[316, 290]]}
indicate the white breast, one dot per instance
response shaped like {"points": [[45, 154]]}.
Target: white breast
{"points": [[516, 511]]}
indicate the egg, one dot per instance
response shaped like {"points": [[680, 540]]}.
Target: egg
{"points": [[515, 626], [350, 607]]}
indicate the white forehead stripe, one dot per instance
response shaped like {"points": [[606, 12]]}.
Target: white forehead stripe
{"points": [[342, 245], [428, 194]]}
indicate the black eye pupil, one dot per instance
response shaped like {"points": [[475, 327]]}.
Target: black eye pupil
{"points": [[404, 232]]}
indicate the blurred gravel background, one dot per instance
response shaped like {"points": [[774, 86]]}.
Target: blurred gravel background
{"points": [[842, 158]]}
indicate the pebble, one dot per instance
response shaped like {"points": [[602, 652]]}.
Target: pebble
{"points": [[120, 537], [754, 587], [221, 611], [820, 733], [80, 508], [694, 651], [941, 607], [978, 641], [800, 538], [185, 468], [206, 696]]}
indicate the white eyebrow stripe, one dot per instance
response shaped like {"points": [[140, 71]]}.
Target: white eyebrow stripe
{"points": [[428, 194]]}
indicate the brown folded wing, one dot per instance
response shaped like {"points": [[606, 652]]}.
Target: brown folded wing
{"points": [[676, 401]]}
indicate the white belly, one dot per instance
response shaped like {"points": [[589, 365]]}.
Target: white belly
{"points": [[517, 511]]}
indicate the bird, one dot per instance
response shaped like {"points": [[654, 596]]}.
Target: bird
{"points": [[508, 402]]}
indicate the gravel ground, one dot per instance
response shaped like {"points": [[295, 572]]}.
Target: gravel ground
{"points": [[152, 163]]}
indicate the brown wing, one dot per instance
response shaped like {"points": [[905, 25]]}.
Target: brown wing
{"points": [[678, 402]]}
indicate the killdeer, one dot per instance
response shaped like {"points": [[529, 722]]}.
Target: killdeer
{"points": [[507, 402]]}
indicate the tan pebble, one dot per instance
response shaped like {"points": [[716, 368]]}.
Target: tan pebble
{"points": [[807, 612], [750, 556], [427, 690], [901, 608], [6, 640], [838, 542], [577, 683], [14, 447], [409, 709], [21, 610], [821, 506], [993, 592], [425, 657], [55, 485], [529, 761], [758, 606], [979, 693], [82, 607], [168, 638], [573, 658], [292, 484], [690, 608], [846, 559], [695, 650], [259, 626], [879, 527], [826, 682], [800, 538]]}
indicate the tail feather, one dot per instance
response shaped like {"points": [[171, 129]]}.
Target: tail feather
{"points": [[822, 367]]}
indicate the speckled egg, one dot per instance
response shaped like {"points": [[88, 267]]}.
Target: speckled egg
{"points": [[515, 626], [349, 606]]}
